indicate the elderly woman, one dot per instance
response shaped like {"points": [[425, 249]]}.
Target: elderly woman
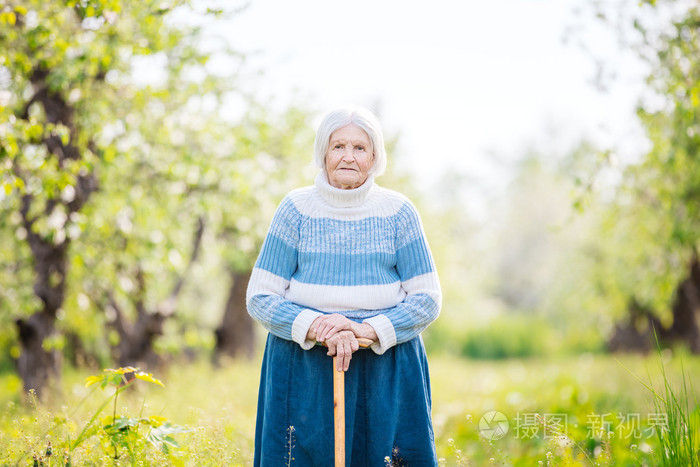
{"points": [[345, 259]]}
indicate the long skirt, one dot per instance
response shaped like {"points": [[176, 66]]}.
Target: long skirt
{"points": [[387, 407]]}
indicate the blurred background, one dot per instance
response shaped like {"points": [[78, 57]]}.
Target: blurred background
{"points": [[550, 146]]}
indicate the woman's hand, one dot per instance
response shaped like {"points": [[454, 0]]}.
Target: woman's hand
{"points": [[365, 331], [342, 344], [325, 327], [330, 324]]}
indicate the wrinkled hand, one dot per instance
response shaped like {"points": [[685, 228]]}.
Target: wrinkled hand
{"points": [[327, 326], [342, 344]]}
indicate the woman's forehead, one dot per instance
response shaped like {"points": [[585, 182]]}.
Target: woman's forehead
{"points": [[349, 132]]}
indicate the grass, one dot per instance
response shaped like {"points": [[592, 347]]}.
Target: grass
{"points": [[679, 441], [679, 437], [585, 410], [582, 411]]}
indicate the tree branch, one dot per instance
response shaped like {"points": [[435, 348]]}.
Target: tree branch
{"points": [[167, 308]]}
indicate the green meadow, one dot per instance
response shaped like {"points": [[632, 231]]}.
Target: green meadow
{"points": [[579, 410]]}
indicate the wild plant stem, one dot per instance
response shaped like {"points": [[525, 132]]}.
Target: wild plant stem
{"points": [[114, 411], [92, 420], [54, 426], [114, 419], [651, 389]]}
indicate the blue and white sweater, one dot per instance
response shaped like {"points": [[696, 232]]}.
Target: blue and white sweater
{"points": [[361, 253]]}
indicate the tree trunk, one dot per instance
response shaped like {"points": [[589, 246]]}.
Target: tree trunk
{"points": [[235, 336], [686, 308], [136, 347], [36, 365], [637, 333], [136, 338], [37, 361]]}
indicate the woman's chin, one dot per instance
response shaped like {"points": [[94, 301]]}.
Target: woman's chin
{"points": [[346, 183]]}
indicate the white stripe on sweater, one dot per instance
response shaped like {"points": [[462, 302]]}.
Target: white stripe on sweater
{"points": [[337, 298]]}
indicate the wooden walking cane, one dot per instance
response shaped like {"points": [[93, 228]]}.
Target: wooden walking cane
{"points": [[339, 413], [339, 406]]}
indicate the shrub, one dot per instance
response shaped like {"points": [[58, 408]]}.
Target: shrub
{"points": [[516, 336]]}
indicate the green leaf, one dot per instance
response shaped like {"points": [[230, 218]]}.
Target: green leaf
{"points": [[119, 423], [90, 380], [154, 420], [162, 435], [148, 377]]}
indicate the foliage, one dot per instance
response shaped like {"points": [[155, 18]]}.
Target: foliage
{"points": [[64, 100], [116, 433], [517, 285], [650, 231], [122, 431], [172, 143], [509, 337]]}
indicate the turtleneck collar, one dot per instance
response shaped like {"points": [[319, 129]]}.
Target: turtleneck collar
{"points": [[343, 198]]}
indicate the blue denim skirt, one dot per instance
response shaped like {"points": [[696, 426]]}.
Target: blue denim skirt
{"points": [[387, 407]]}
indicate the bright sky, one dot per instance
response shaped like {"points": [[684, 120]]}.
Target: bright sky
{"points": [[468, 85]]}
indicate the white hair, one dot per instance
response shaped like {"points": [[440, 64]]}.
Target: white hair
{"points": [[359, 116]]}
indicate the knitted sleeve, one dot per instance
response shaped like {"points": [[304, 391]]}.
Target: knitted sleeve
{"points": [[419, 279], [270, 279]]}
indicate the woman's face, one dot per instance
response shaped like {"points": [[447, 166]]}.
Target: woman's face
{"points": [[349, 157]]}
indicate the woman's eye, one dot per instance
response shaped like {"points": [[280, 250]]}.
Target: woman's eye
{"points": [[338, 146], [360, 148]]}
